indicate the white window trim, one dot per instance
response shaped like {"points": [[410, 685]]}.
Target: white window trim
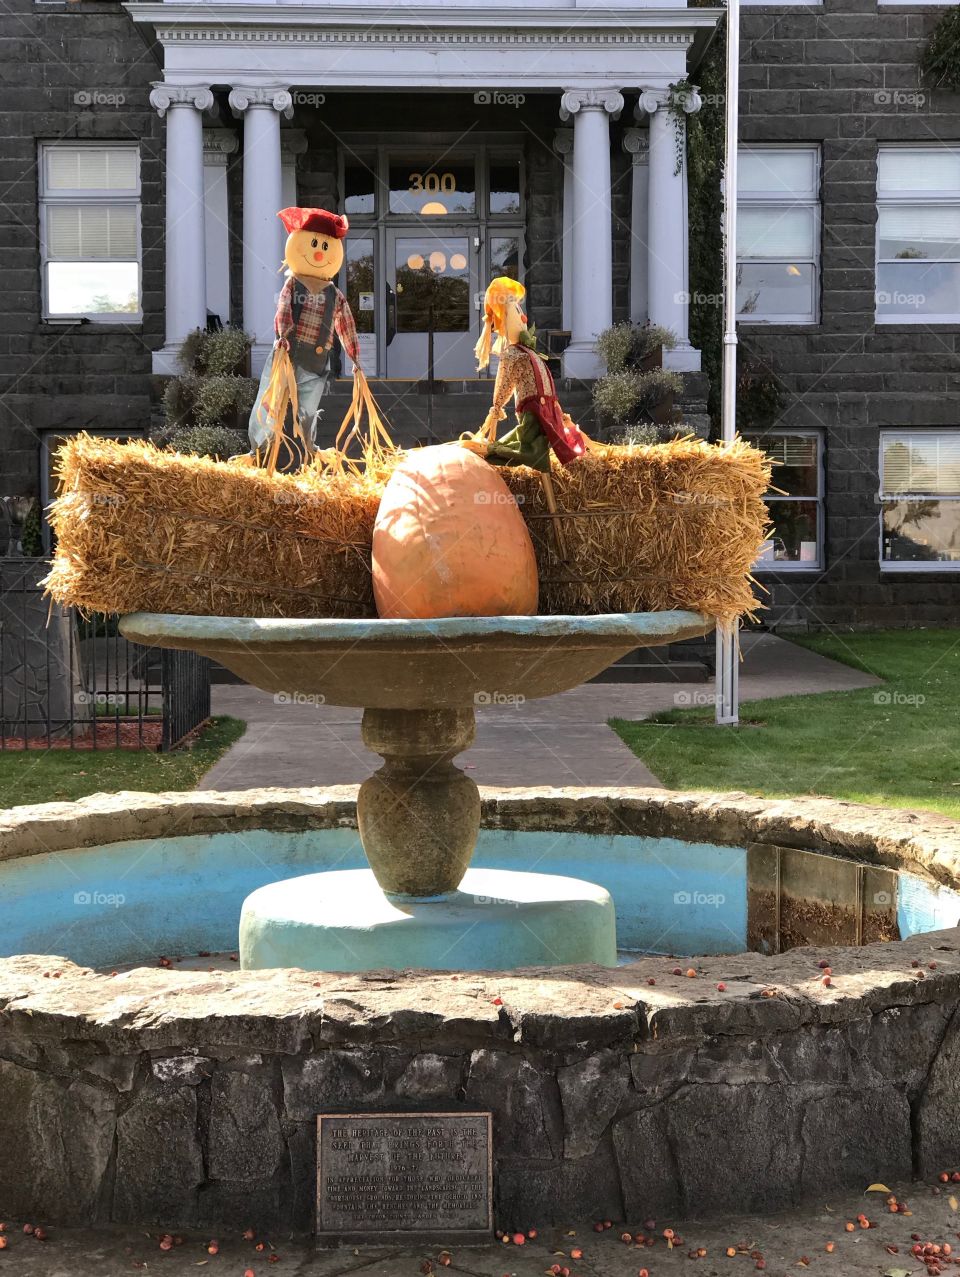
{"points": [[761, 199], [775, 569], [47, 199], [911, 198], [905, 565]]}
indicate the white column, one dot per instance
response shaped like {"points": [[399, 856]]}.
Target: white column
{"points": [[636, 143], [185, 298], [218, 146], [667, 249], [563, 145], [263, 233], [591, 235]]}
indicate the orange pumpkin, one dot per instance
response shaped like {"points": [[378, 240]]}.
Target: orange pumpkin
{"points": [[450, 541]]}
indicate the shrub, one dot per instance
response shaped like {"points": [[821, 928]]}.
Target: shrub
{"points": [[222, 400], [208, 441], [626, 345], [642, 433], [940, 59], [226, 351]]}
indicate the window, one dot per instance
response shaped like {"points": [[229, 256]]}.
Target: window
{"points": [[920, 500], [90, 231], [795, 502], [778, 234], [918, 234]]}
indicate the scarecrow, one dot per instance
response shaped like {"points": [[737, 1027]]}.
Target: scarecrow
{"points": [[542, 424], [310, 310]]}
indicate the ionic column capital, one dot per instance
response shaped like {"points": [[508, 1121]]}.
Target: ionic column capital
{"points": [[636, 142], [218, 146], [651, 100], [576, 100], [563, 142], [163, 97], [243, 97]]}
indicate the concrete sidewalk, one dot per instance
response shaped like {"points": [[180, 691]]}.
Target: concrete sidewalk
{"points": [[564, 740]]}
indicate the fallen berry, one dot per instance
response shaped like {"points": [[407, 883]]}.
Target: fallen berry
{"points": [[823, 964], [531, 1233], [576, 1254], [519, 1239], [248, 1272], [944, 1179], [40, 1234], [598, 1227], [4, 1243], [761, 1263], [829, 1247], [721, 987], [166, 1243], [669, 1234], [28, 1229], [650, 980], [644, 1272], [731, 1252], [676, 971], [827, 981], [691, 974], [850, 1226], [931, 966], [914, 963], [248, 1234], [701, 1252], [260, 1246], [627, 1239], [275, 1259], [649, 1225], [213, 1248], [607, 1223], [956, 1177]]}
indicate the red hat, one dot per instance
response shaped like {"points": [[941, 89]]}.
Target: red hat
{"points": [[314, 219]]}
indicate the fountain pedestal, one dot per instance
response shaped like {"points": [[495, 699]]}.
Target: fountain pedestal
{"points": [[418, 816]]}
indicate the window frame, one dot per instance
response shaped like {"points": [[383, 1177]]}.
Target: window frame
{"points": [[797, 565], [47, 199], [909, 199], [766, 200], [910, 565]]}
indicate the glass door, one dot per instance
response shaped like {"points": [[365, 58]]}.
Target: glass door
{"points": [[432, 283]]}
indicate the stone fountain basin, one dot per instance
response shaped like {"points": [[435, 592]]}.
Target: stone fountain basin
{"points": [[433, 664]]}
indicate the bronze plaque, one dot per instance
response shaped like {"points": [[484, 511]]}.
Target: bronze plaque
{"points": [[404, 1175]]}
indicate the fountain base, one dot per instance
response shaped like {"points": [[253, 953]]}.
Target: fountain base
{"points": [[497, 920]]}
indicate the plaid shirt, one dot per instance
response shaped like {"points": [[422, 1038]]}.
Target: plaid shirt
{"points": [[311, 318]]}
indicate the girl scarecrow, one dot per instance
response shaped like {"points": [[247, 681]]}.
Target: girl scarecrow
{"points": [[310, 310], [542, 424]]}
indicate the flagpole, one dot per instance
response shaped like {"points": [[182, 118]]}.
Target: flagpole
{"points": [[727, 678]]}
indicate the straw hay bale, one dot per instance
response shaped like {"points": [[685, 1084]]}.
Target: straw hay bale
{"points": [[645, 528], [139, 528], [649, 528]]}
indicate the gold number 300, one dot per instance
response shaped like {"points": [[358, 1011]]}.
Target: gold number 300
{"points": [[433, 183]]}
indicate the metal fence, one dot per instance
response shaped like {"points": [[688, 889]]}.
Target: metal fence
{"points": [[69, 682]]}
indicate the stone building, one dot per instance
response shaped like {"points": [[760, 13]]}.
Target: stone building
{"points": [[150, 144]]}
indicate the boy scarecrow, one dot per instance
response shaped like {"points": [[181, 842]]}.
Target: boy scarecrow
{"points": [[542, 424], [310, 310]]}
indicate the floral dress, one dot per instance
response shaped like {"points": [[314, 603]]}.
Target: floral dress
{"points": [[541, 422]]}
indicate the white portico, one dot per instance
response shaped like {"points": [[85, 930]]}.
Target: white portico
{"points": [[596, 64]]}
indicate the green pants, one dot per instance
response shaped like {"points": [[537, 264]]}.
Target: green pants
{"points": [[525, 445]]}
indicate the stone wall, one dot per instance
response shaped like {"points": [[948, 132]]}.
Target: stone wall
{"points": [[845, 75], [186, 1098], [183, 1098]]}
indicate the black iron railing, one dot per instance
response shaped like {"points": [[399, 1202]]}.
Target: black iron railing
{"points": [[73, 682]]}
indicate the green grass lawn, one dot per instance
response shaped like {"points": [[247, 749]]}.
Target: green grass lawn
{"points": [[41, 776], [897, 745]]}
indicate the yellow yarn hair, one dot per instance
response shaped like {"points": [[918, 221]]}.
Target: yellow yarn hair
{"points": [[494, 316]]}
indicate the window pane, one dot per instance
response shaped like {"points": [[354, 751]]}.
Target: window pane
{"points": [[432, 187], [794, 458], [776, 232], [769, 289], [923, 531], [505, 186], [902, 169], [91, 168], [360, 283], [912, 289], [793, 538], [505, 256], [359, 185], [85, 288], [788, 171], [433, 284], [91, 231], [921, 464], [918, 231]]}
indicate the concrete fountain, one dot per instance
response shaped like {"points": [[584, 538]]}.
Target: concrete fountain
{"points": [[418, 682]]}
